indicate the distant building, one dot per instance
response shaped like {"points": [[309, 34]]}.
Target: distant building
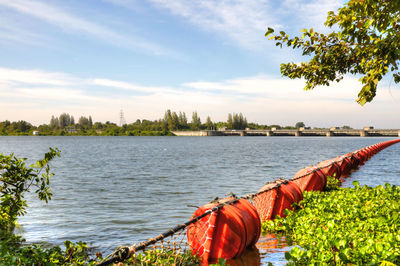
{"points": [[368, 128], [334, 128], [35, 133], [223, 129]]}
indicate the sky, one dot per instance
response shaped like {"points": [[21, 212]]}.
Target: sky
{"points": [[96, 57]]}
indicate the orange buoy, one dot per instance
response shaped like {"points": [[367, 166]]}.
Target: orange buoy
{"points": [[344, 163], [370, 151], [310, 179], [355, 161], [274, 198], [330, 168], [224, 233], [249, 214], [362, 155]]}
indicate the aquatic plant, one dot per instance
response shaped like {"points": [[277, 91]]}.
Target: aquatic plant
{"points": [[163, 257], [359, 225]]}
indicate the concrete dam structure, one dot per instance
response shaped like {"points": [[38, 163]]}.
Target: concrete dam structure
{"points": [[333, 132]]}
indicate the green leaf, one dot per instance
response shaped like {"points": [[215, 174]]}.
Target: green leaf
{"points": [[269, 31]]}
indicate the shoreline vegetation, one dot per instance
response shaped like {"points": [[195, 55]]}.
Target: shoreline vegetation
{"points": [[65, 125]]}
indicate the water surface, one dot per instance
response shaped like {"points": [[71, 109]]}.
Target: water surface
{"points": [[112, 191]]}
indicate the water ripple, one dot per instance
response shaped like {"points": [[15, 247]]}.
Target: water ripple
{"points": [[112, 191]]}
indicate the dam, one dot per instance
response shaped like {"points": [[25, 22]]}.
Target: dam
{"points": [[302, 132]]}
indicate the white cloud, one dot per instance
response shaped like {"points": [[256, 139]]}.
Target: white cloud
{"points": [[128, 86], [35, 95], [57, 94], [15, 34], [130, 4], [62, 19], [35, 77], [268, 86], [310, 13], [244, 21]]}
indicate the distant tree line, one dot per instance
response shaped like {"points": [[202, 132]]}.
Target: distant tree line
{"points": [[173, 121], [65, 124], [65, 120]]}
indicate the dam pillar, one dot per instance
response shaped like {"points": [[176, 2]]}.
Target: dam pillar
{"points": [[297, 133], [242, 133], [329, 133], [269, 133], [363, 133]]}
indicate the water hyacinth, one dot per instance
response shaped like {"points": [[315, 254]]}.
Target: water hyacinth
{"points": [[359, 225]]}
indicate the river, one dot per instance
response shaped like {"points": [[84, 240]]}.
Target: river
{"points": [[112, 191]]}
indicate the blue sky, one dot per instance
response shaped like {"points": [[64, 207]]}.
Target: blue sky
{"points": [[95, 57]]}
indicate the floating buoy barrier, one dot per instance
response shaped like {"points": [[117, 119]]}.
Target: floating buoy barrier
{"points": [[344, 163], [226, 228], [362, 154], [330, 168], [225, 233], [272, 202], [310, 178], [355, 161]]}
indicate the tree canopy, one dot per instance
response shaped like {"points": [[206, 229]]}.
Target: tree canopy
{"points": [[299, 125], [366, 44]]}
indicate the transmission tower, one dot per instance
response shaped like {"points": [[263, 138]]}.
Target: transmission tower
{"points": [[121, 118]]}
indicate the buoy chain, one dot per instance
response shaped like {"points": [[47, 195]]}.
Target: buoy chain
{"points": [[319, 168]]}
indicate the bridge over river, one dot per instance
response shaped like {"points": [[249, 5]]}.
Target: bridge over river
{"points": [[295, 132]]}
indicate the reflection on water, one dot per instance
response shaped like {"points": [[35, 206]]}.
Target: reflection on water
{"points": [[270, 248], [251, 256]]}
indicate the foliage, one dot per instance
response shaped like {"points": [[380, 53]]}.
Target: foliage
{"points": [[299, 125], [236, 121], [16, 180], [209, 124], [63, 121], [366, 44], [17, 254], [196, 122], [167, 257], [332, 184], [16, 128], [359, 225], [163, 257], [161, 127], [220, 262], [85, 122], [229, 122]]}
